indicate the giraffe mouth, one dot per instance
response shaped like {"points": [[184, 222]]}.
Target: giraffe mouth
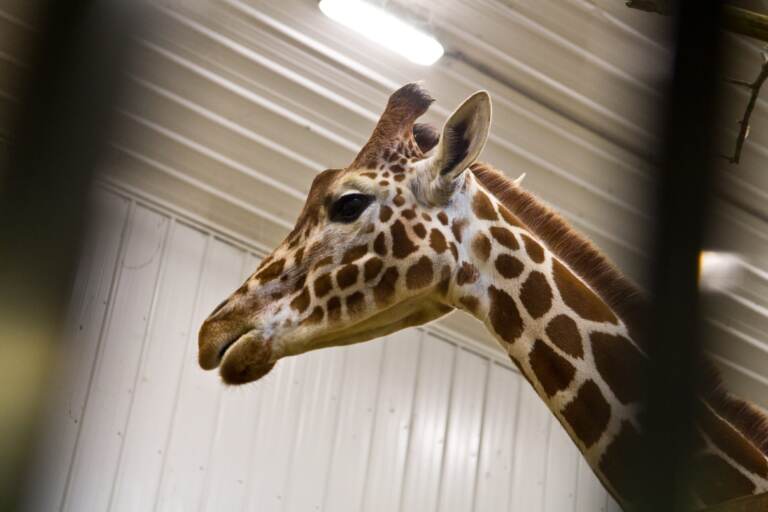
{"points": [[226, 346], [245, 359]]}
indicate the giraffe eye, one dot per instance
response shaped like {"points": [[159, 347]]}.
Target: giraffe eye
{"points": [[349, 207]]}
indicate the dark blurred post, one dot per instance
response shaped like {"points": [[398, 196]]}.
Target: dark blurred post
{"points": [[683, 199], [74, 73]]}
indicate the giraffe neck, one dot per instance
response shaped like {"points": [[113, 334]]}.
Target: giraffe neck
{"points": [[574, 349]]}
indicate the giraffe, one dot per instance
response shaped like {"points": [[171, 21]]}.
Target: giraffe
{"points": [[416, 227]]}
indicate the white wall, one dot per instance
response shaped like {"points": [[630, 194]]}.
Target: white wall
{"points": [[415, 422]]}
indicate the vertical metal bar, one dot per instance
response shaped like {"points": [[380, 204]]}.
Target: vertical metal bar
{"points": [[57, 136], [683, 197]]}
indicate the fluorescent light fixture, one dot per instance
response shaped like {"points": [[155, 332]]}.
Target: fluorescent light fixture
{"points": [[385, 29]]}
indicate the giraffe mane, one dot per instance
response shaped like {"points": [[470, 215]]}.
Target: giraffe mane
{"points": [[744, 416], [618, 291]]}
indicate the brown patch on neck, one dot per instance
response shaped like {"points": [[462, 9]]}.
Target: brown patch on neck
{"points": [[621, 294], [618, 292], [552, 370], [729, 483], [588, 413]]}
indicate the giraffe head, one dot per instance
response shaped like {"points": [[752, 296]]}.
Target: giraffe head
{"points": [[372, 251]]}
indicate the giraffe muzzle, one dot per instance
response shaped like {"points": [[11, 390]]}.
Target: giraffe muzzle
{"points": [[240, 356], [247, 359]]}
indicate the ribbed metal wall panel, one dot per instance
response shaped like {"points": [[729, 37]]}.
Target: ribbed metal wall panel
{"points": [[413, 422]]}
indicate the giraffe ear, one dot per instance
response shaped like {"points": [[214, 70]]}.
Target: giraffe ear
{"points": [[463, 138]]}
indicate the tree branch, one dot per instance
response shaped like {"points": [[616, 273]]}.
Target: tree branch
{"points": [[739, 21], [746, 23], [659, 6], [754, 88]]}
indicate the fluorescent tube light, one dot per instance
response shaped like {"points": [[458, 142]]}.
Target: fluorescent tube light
{"points": [[385, 29], [720, 271]]}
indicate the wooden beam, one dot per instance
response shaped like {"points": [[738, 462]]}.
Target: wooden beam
{"points": [[744, 22]]}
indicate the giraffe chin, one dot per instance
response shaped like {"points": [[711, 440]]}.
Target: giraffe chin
{"points": [[247, 360]]}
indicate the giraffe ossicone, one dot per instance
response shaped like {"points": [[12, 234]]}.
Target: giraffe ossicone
{"points": [[415, 227]]}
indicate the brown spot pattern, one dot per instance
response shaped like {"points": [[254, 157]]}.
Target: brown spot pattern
{"points": [[508, 217], [505, 237], [301, 302], [470, 303], [503, 315], [420, 230], [272, 271], [315, 317], [372, 268], [467, 274], [443, 218], [334, 309], [323, 262], [536, 295], [508, 266], [355, 303], [402, 246], [437, 241], [580, 298], [385, 289], [442, 287], [266, 261], [481, 246], [620, 460], [347, 276], [621, 365], [298, 256], [419, 274], [483, 207], [385, 213], [323, 285], [454, 251], [715, 480], [732, 442], [534, 250], [409, 214], [457, 228], [355, 253], [552, 370], [299, 284], [564, 333], [399, 200], [380, 245], [588, 414]]}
